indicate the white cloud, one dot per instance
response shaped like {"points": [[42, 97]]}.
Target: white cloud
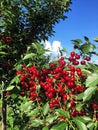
{"points": [[53, 48], [56, 47], [48, 46]]}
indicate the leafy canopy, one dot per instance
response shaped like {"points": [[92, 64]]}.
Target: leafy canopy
{"points": [[27, 20]]}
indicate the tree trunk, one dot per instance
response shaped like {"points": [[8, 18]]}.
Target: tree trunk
{"points": [[3, 111]]}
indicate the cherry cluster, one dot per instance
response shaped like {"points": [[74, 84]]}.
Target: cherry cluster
{"points": [[6, 39], [58, 85], [75, 57]]}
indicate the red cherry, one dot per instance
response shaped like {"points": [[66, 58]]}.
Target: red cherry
{"points": [[78, 69], [50, 95], [72, 54], [72, 102], [75, 62], [77, 56], [39, 99], [23, 93], [73, 114], [83, 62], [51, 105], [88, 58], [94, 106], [62, 118]]}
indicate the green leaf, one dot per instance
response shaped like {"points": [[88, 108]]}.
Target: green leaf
{"points": [[15, 80], [96, 39], [88, 93], [87, 47], [3, 53], [84, 119], [79, 96], [46, 108], [96, 125], [29, 56], [10, 88], [37, 122], [92, 80], [63, 113], [86, 38], [26, 107], [38, 88], [76, 41], [90, 125], [34, 112], [51, 118], [80, 124], [13, 96], [60, 126], [79, 106], [45, 128]]}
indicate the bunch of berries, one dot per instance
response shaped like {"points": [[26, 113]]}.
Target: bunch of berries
{"points": [[58, 85]]}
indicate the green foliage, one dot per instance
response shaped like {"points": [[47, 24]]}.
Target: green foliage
{"points": [[80, 124], [60, 126], [23, 25], [29, 20]]}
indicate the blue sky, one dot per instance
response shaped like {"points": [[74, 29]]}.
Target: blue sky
{"points": [[82, 21]]}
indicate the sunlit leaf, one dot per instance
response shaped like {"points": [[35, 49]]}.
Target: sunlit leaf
{"points": [[15, 80], [84, 119], [87, 48], [61, 112], [59, 126], [37, 122], [46, 108], [50, 118], [92, 80], [29, 56], [79, 96], [45, 128], [96, 39], [88, 93], [80, 124], [10, 88], [90, 125]]}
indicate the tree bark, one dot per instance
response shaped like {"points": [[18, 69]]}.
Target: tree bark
{"points": [[4, 109]]}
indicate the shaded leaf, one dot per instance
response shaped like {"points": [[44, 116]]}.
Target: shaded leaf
{"points": [[86, 38], [76, 41], [3, 53]]}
